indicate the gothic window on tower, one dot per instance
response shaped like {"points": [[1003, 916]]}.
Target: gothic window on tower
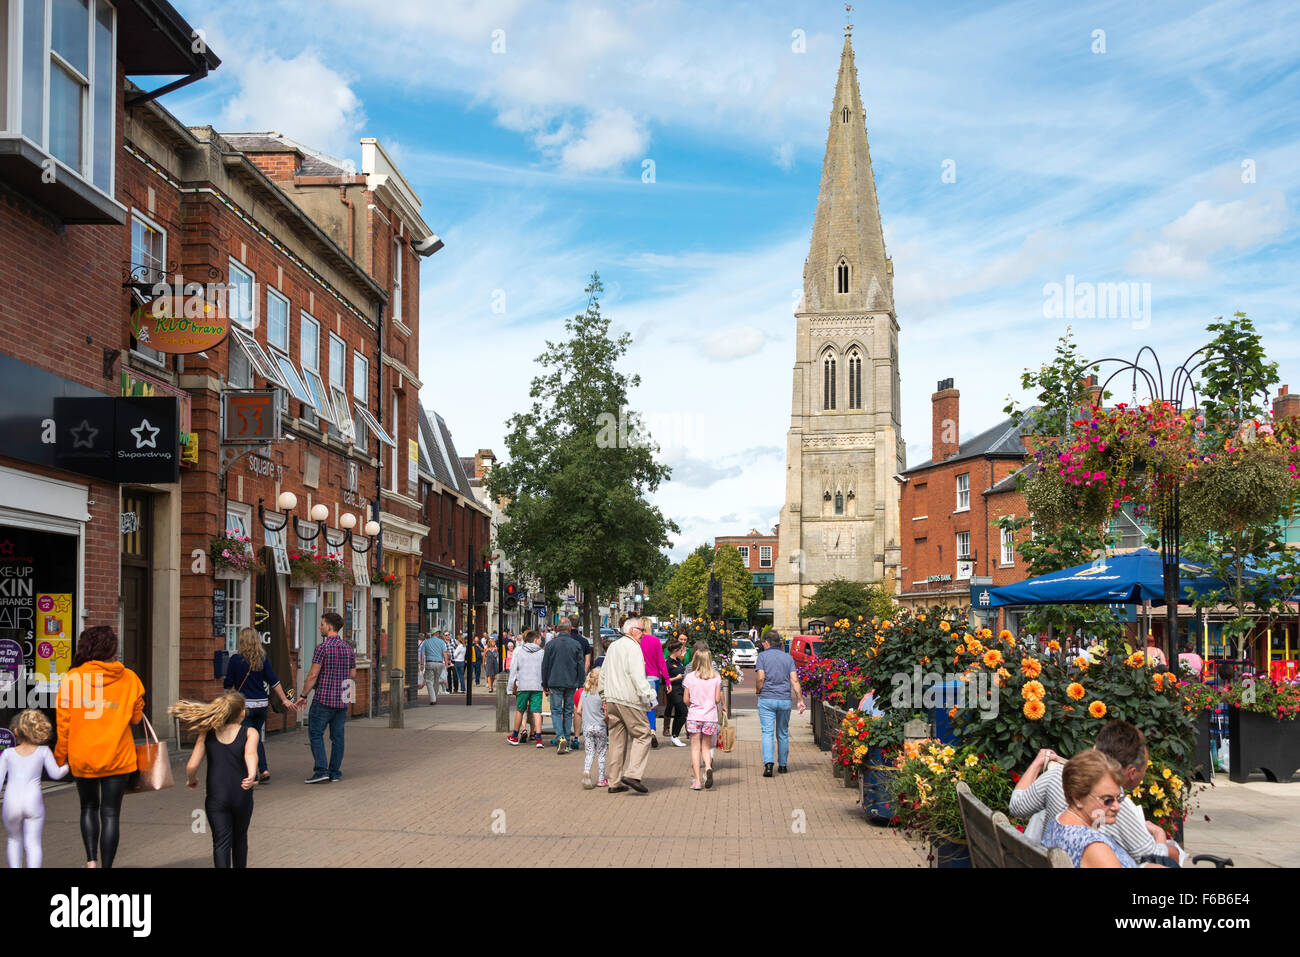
{"points": [[842, 277], [828, 382], [855, 380], [839, 503], [845, 114]]}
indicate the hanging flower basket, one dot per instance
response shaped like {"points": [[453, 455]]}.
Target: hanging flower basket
{"points": [[311, 566], [233, 557]]}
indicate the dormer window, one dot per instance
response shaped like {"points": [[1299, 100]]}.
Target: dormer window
{"points": [[842, 276]]}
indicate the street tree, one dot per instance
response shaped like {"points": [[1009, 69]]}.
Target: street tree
{"points": [[576, 489], [841, 598]]}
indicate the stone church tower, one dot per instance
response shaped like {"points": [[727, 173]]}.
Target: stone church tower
{"points": [[840, 517]]}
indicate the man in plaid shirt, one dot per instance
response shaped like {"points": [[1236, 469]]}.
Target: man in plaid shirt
{"points": [[334, 676]]}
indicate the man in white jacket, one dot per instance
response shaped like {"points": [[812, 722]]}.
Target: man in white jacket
{"points": [[627, 696]]}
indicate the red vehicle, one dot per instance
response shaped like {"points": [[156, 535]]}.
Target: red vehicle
{"points": [[805, 648]]}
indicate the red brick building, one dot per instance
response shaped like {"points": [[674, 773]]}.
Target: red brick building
{"points": [[949, 506], [67, 528], [759, 552]]}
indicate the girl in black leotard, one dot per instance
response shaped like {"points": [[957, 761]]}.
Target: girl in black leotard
{"points": [[231, 750]]}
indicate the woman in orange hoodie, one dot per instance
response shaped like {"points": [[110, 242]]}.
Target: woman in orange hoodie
{"points": [[99, 700]]}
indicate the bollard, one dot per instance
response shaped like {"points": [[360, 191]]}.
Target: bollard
{"points": [[396, 699], [503, 706]]}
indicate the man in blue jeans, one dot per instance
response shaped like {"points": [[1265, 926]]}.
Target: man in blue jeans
{"points": [[563, 672], [333, 675], [776, 680]]}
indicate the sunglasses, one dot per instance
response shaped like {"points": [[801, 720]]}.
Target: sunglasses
{"points": [[1109, 800]]}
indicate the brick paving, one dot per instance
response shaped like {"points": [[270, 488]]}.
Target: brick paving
{"points": [[430, 794]]}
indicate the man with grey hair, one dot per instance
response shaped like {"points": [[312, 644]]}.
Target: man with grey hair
{"points": [[623, 687]]}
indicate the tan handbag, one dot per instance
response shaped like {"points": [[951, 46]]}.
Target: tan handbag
{"points": [[153, 766], [726, 734]]}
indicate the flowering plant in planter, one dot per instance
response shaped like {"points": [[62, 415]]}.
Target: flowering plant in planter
{"points": [[716, 634], [388, 579], [232, 551], [313, 566], [1261, 694], [860, 732], [881, 648], [925, 784], [1163, 795], [728, 670], [834, 681]]}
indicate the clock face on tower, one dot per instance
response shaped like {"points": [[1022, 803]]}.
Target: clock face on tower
{"points": [[841, 541]]}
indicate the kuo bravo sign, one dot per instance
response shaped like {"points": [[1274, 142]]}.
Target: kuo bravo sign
{"points": [[179, 325]]}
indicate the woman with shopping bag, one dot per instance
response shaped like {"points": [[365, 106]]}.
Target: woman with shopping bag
{"points": [[99, 700]]}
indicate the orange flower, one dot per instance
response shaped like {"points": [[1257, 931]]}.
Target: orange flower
{"points": [[1033, 691], [1034, 710], [1053, 646], [961, 649], [1136, 660], [1097, 709], [1158, 680], [1081, 663], [975, 647], [952, 712], [992, 658], [920, 617], [1030, 668], [944, 626], [884, 624], [1005, 635], [925, 660], [1075, 691]]}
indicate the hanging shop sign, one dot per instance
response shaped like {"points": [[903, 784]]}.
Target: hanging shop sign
{"points": [[179, 325], [125, 439], [249, 417]]}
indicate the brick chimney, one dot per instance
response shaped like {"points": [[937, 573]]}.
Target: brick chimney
{"points": [[1091, 396], [1287, 404], [943, 435], [484, 459]]}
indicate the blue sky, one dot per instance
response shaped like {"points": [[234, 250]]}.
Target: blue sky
{"points": [[1156, 144]]}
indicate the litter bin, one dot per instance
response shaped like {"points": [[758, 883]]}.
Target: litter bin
{"points": [[950, 694]]}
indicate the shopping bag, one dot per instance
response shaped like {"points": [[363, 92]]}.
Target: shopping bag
{"points": [[153, 766], [419, 680], [726, 735]]}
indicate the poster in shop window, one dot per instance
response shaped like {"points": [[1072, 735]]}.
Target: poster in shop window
{"points": [[38, 580]]}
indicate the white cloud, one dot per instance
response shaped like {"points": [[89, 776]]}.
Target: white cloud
{"points": [[737, 342], [1187, 244], [302, 98], [783, 156], [609, 139]]}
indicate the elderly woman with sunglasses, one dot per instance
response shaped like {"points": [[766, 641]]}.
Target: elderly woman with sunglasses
{"points": [[1093, 793]]}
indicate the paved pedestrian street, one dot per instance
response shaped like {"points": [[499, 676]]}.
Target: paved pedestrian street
{"points": [[446, 791]]}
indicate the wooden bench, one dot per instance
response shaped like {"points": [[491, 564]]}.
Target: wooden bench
{"points": [[980, 825], [993, 842]]}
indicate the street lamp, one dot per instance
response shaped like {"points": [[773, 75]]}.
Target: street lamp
{"points": [[320, 513]]}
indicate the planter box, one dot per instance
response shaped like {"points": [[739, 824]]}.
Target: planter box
{"points": [[1260, 742], [875, 787], [949, 855], [816, 718], [832, 717], [228, 574], [378, 591], [1202, 758]]}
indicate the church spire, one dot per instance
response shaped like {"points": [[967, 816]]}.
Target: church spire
{"points": [[847, 269]]}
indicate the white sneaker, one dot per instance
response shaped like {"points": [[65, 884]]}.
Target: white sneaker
{"points": [[678, 742]]}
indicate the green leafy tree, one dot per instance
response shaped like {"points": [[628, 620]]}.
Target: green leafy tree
{"points": [[740, 596], [687, 587], [841, 598], [1059, 389], [576, 500], [1236, 375]]}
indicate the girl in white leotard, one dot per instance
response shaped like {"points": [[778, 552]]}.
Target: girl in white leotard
{"points": [[24, 809]]}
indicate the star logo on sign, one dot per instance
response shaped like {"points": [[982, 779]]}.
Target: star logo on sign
{"points": [[6, 548], [140, 441], [83, 436]]}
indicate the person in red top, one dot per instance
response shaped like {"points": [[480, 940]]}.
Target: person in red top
{"points": [[656, 669]]}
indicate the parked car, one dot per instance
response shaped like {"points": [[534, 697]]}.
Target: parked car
{"points": [[805, 648], [744, 653]]}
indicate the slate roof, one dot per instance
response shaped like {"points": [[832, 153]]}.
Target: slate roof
{"points": [[1002, 439], [442, 461], [313, 162]]}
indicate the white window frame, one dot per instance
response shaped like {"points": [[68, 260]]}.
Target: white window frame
{"points": [[375, 428], [397, 279], [1008, 548], [963, 555], [239, 517], [277, 296], [321, 395], [744, 554], [297, 387], [342, 382], [360, 378], [235, 267], [11, 118], [396, 441], [343, 414], [360, 612], [158, 275], [963, 492], [764, 556], [304, 320], [257, 357]]}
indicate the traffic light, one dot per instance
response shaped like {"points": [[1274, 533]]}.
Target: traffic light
{"points": [[715, 597], [510, 596], [482, 585]]}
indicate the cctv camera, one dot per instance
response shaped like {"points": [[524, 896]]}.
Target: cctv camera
{"points": [[427, 247], [900, 478]]}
